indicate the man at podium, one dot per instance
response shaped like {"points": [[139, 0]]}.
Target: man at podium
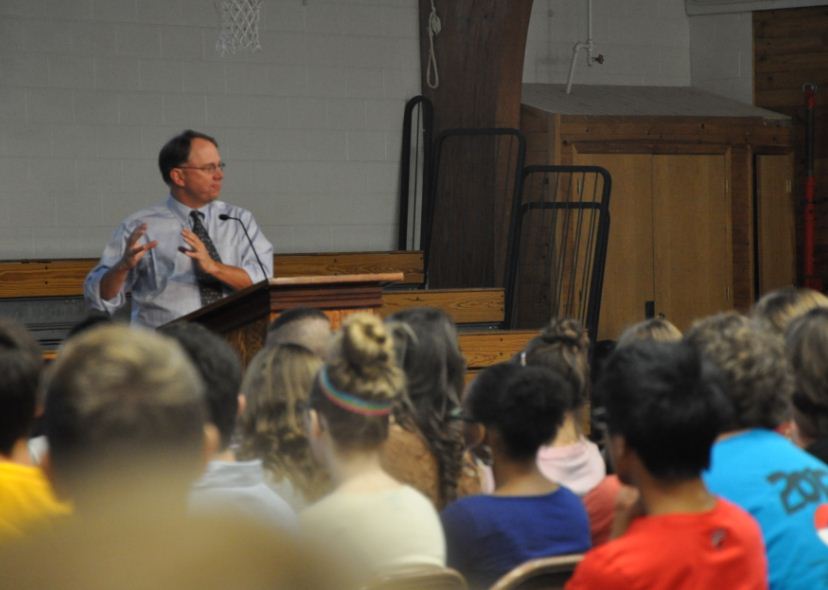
{"points": [[185, 252]]}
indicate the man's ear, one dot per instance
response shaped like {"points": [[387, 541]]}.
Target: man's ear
{"points": [[177, 177], [212, 441], [242, 404]]}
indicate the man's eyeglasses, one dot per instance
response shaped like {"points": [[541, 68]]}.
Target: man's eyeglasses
{"points": [[209, 168]]}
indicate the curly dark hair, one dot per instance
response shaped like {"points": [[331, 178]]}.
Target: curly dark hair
{"points": [[758, 379], [427, 350]]}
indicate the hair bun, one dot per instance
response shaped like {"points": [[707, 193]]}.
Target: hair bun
{"points": [[566, 331], [366, 346]]}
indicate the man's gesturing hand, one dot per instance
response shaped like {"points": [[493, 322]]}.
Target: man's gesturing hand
{"points": [[198, 252], [134, 252]]}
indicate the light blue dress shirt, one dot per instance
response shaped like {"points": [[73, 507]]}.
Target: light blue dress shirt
{"points": [[163, 284]]}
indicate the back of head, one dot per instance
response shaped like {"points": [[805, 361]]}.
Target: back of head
{"points": [[667, 404], [304, 326], [277, 387], [757, 377], [425, 342], [118, 398], [777, 309], [20, 365], [356, 389], [220, 369], [807, 347], [525, 405], [658, 329], [563, 347]]}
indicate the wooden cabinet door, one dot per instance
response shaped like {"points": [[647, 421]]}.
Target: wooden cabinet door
{"points": [[691, 237], [775, 228], [628, 275]]}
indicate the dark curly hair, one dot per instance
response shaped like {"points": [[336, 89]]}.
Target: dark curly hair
{"points": [[427, 350]]}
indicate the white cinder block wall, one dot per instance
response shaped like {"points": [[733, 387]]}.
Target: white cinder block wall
{"points": [[309, 127], [721, 51], [644, 42]]}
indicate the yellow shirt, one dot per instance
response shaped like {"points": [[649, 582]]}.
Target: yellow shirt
{"points": [[26, 500]]}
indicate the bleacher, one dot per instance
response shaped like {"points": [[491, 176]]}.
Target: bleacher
{"points": [[478, 313]]}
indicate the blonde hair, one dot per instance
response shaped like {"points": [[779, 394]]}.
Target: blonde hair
{"points": [[362, 365], [563, 346], [807, 347], [277, 386], [657, 329], [777, 309]]}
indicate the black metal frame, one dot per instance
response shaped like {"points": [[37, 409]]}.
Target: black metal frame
{"points": [[428, 210], [599, 257], [427, 126]]}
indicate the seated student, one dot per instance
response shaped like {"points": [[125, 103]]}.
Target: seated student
{"points": [[276, 388], [777, 309], [571, 459], [227, 485], [125, 421], [755, 467], [513, 410], [807, 348], [376, 523], [425, 445], [664, 410], [304, 326], [26, 498]]}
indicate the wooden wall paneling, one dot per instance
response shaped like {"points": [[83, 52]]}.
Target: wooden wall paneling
{"points": [[742, 214], [628, 275], [791, 49], [776, 223], [693, 256]]}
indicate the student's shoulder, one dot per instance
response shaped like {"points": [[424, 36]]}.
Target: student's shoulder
{"points": [[603, 568]]}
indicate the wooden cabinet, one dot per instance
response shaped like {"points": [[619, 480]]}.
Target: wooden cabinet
{"points": [[775, 223], [669, 238], [701, 219]]}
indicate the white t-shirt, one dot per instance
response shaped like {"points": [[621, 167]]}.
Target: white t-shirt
{"points": [[377, 532]]}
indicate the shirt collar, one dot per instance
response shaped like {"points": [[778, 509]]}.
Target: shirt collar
{"points": [[182, 212]]}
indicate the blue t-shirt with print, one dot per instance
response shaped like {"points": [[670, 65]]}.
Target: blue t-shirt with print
{"points": [[786, 491], [487, 536]]}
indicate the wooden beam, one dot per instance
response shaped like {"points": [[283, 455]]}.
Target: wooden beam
{"points": [[465, 306], [64, 278], [483, 349]]}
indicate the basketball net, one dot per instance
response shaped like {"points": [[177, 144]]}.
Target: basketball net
{"points": [[239, 26]]}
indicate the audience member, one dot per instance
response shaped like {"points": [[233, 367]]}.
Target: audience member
{"points": [[26, 498], [807, 347], [513, 411], [777, 309], [664, 411], [425, 445], [375, 522], [657, 329], [227, 485], [125, 422], [754, 466], [276, 387], [304, 326], [570, 459]]}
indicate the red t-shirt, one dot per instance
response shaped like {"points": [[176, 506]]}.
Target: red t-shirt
{"points": [[721, 548]]}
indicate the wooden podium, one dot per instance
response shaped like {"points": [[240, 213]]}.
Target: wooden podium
{"points": [[243, 317]]}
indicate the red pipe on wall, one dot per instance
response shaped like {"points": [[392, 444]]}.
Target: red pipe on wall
{"points": [[809, 276]]}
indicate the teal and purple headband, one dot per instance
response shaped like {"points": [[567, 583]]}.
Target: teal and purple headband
{"points": [[350, 402]]}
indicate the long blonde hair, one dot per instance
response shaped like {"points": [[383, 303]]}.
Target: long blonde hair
{"points": [[277, 386]]}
